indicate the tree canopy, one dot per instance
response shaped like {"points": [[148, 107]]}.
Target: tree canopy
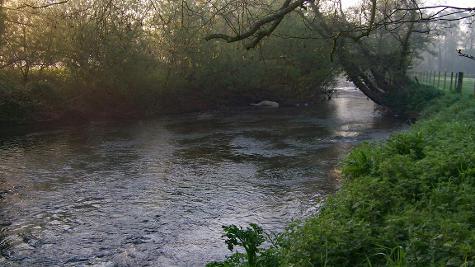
{"points": [[375, 43], [152, 56]]}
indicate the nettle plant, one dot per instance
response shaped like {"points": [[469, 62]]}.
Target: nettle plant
{"points": [[250, 239]]}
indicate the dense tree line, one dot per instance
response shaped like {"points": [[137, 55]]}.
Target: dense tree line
{"points": [[131, 57], [145, 57]]}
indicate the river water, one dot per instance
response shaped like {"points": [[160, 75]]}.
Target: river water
{"points": [[156, 192]]}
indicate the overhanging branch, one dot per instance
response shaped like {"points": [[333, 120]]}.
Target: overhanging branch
{"points": [[257, 30], [23, 6], [460, 53]]}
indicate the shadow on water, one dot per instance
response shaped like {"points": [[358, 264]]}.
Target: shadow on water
{"points": [[156, 192]]}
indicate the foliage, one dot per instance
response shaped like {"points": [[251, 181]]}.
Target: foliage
{"points": [[250, 239], [404, 202], [375, 52], [2, 23], [412, 99], [129, 57]]}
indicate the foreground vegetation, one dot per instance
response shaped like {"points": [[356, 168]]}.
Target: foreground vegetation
{"points": [[404, 202]]}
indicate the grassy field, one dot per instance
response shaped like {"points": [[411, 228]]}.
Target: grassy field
{"points": [[443, 83]]}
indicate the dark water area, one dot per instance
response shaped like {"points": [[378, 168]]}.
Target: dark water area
{"points": [[156, 192]]}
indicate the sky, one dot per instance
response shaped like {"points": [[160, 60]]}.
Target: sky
{"points": [[459, 3]]}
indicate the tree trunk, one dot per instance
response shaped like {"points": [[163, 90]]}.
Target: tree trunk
{"points": [[371, 76]]}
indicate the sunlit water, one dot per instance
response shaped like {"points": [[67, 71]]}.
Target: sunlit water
{"points": [[156, 192]]}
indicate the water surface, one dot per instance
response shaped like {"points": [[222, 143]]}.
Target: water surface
{"points": [[156, 192]]}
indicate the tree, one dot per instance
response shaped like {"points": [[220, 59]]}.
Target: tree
{"points": [[374, 44], [2, 21], [109, 55]]}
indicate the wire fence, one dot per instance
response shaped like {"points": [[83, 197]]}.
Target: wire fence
{"points": [[460, 82]]}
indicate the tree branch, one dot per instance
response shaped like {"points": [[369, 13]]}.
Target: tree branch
{"points": [[256, 31], [36, 7], [460, 53]]}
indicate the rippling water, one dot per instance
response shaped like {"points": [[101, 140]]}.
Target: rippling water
{"points": [[156, 192]]}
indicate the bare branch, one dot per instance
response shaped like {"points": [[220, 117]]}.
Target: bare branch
{"points": [[36, 7], [443, 13], [255, 30], [460, 53]]}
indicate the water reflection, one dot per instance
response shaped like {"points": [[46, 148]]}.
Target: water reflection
{"points": [[157, 192]]}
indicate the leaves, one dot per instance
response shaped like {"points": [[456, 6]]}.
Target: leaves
{"points": [[250, 239]]}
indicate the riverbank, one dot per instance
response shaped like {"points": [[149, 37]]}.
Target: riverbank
{"points": [[27, 107], [161, 188], [405, 202]]}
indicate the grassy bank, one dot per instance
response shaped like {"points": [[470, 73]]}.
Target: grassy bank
{"points": [[408, 201]]}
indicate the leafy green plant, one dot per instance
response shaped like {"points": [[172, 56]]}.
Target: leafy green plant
{"points": [[250, 239]]}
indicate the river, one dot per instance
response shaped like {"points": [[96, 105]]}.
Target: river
{"points": [[156, 192]]}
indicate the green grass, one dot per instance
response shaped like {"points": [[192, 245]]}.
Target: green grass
{"points": [[409, 201], [467, 85]]}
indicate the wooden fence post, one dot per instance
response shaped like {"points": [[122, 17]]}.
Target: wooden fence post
{"points": [[451, 80], [433, 79], [445, 80], [459, 83], [456, 80], [438, 81]]}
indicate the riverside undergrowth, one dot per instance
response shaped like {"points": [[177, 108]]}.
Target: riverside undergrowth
{"points": [[408, 201]]}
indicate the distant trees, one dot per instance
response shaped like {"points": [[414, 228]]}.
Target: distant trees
{"points": [[443, 53]]}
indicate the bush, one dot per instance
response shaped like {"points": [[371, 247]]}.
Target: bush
{"points": [[414, 99], [16, 106], [38, 100]]}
